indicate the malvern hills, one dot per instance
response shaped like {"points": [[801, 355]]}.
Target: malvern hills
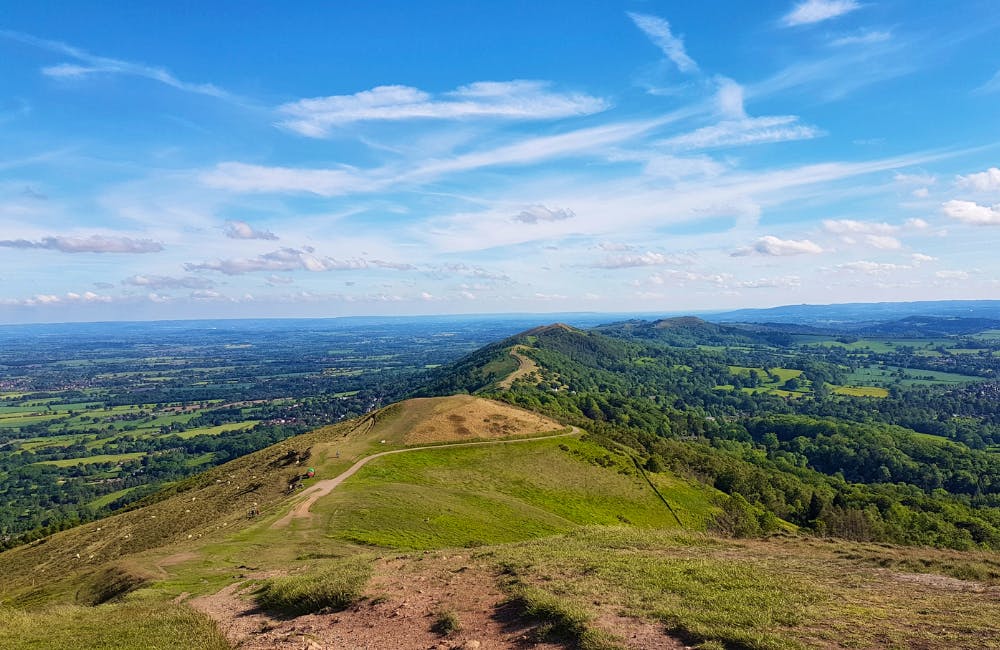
{"points": [[661, 484]]}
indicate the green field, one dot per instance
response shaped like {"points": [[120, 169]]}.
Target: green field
{"points": [[91, 460], [906, 376]]}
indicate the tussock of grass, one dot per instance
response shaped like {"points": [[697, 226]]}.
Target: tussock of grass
{"points": [[131, 625], [446, 623], [110, 583], [561, 620], [336, 586]]}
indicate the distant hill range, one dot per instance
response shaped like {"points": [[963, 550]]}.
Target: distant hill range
{"points": [[858, 313]]}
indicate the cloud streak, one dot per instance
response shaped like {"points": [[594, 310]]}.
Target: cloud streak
{"points": [[499, 100], [92, 244], [89, 64], [775, 247], [658, 31], [816, 11]]}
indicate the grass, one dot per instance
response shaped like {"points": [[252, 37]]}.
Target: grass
{"points": [[446, 623], [336, 585], [476, 496], [90, 460], [143, 624], [860, 391], [216, 430], [781, 593], [907, 376]]}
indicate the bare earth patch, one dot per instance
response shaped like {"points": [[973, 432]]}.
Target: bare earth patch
{"points": [[525, 366], [404, 600]]}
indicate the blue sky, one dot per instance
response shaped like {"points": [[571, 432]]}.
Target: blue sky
{"points": [[227, 159]]}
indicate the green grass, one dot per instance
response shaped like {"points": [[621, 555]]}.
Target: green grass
{"points": [[492, 494], [142, 624], [102, 501], [774, 594], [860, 391], [906, 376], [90, 460], [216, 430], [334, 586]]}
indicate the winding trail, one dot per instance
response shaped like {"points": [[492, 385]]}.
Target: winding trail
{"points": [[322, 488]]}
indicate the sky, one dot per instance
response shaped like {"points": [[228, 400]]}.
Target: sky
{"points": [[311, 159]]}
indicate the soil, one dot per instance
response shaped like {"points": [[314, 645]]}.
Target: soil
{"points": [[404, 599]]}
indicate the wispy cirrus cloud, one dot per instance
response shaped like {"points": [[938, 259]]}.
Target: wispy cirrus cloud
{"points": [[242, 230], [744, 132], [775, 247], [658, 31], [160, 282], [816, 11], [862, 38], [85, 64], [91, 244], [501, 100]]}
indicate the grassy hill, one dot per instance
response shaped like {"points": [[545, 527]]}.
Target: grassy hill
{"points": [[605, 515]]}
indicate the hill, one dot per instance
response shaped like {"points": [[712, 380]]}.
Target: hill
{"points": [[559, 488], [823, 315]]}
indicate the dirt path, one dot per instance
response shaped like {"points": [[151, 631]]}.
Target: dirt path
{"points": [[525, 366], [404, 600], [322, 488]]}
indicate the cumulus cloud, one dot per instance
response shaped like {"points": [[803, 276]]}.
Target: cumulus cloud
{"points": [[775, 247], [242, 230], [972, 213], [288, 259], [658, 31], [743, 132], [922, 258], [883, 242], [159, 282], [541, 214], [648, 258], [505, 100], [92, 244], [987, 181], [815, 11]]}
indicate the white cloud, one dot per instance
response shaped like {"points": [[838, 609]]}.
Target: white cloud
{"points": [[987, 181], [953, 275], [240, 177], [158, 282], [914, 179], [71, 297], [917, 224], [91, 244], [743, 132], [872, 268], [854, 227], [284, 259], [922, 258], [90, 64], [972, 213], [883, 242], [815, 11], [921, 193], [862, 38], [540, 214], [648, 258], [773, 246], [505, 100], [242, 230], [658, 31], [729, 99]]}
